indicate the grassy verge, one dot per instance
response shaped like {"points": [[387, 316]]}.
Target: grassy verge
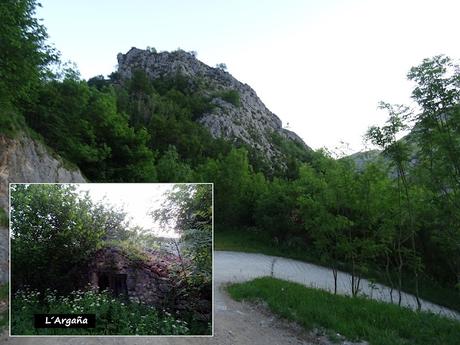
{"points": [[355, 318], [254, 241]]}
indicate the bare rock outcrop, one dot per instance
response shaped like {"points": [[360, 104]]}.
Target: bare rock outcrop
{"points": [[250, 121], [23, 159]]}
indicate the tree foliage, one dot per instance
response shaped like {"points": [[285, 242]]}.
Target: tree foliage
{"points": [[52, 229], [83, 125], [24, 60], [188, 209]]}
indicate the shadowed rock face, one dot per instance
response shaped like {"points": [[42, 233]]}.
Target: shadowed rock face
{"points": [[250, 122], [23, 159]]}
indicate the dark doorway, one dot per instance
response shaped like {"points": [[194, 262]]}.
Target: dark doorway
{"points": [[103, 282], [116, 283]]}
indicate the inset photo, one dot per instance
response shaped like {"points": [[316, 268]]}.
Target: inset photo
{"points": [[111, 259]]}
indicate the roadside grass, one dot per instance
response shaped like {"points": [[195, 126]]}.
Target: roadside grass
{"points": [[256, 241], [354, 318]]}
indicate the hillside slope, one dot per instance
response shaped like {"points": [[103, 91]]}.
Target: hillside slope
{"points": [[247, 119]]}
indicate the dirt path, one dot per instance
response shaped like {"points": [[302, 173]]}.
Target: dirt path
{"points": [[240, 323]]}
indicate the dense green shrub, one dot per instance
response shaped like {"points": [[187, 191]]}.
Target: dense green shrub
{"points": [[230, 96]]}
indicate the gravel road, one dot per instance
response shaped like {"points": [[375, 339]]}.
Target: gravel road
{"points": [[229, 267], [240, 323]]}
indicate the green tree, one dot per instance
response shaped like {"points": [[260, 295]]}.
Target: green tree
{"points": [[170, 168], [221, 66], [188, 209], [53, 229], [231, 175], [24, 59], [276, 211], [398, 153], [83, 125], [437, 134]]}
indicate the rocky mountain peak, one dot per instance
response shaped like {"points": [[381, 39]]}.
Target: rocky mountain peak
{"points": [[247, 120]]}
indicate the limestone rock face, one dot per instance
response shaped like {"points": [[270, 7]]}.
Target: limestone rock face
{"points": [[25, 160], [250, 122]]}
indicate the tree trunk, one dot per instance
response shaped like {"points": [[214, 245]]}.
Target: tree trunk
{"points": [[388, 276], [334, 272], [400, 267]]}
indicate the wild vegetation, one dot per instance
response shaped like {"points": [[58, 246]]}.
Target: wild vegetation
{"points": [[399, 222], [113, 316]]}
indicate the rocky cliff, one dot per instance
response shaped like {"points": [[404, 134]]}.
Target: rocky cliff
{"points": [[3, 254], [23, 159], [249, 121]]}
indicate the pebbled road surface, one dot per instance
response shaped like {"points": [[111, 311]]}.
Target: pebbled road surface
{"points": [[240, 323]]}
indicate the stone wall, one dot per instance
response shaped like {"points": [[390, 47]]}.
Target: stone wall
{"points": [[145, 281]]}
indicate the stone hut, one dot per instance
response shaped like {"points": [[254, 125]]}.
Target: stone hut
{"points": [[146, 280]]}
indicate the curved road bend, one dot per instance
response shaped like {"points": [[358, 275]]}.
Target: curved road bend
{"points": [[240, 323]]}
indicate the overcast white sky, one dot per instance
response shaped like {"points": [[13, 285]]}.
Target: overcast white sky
{"points": [[321, 66], [137, 199]]}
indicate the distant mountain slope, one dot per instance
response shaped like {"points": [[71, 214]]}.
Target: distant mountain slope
{"points": [[241, 116], [364, 157]]}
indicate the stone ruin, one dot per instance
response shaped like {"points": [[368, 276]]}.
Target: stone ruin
{"points": [[147, 281]]}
